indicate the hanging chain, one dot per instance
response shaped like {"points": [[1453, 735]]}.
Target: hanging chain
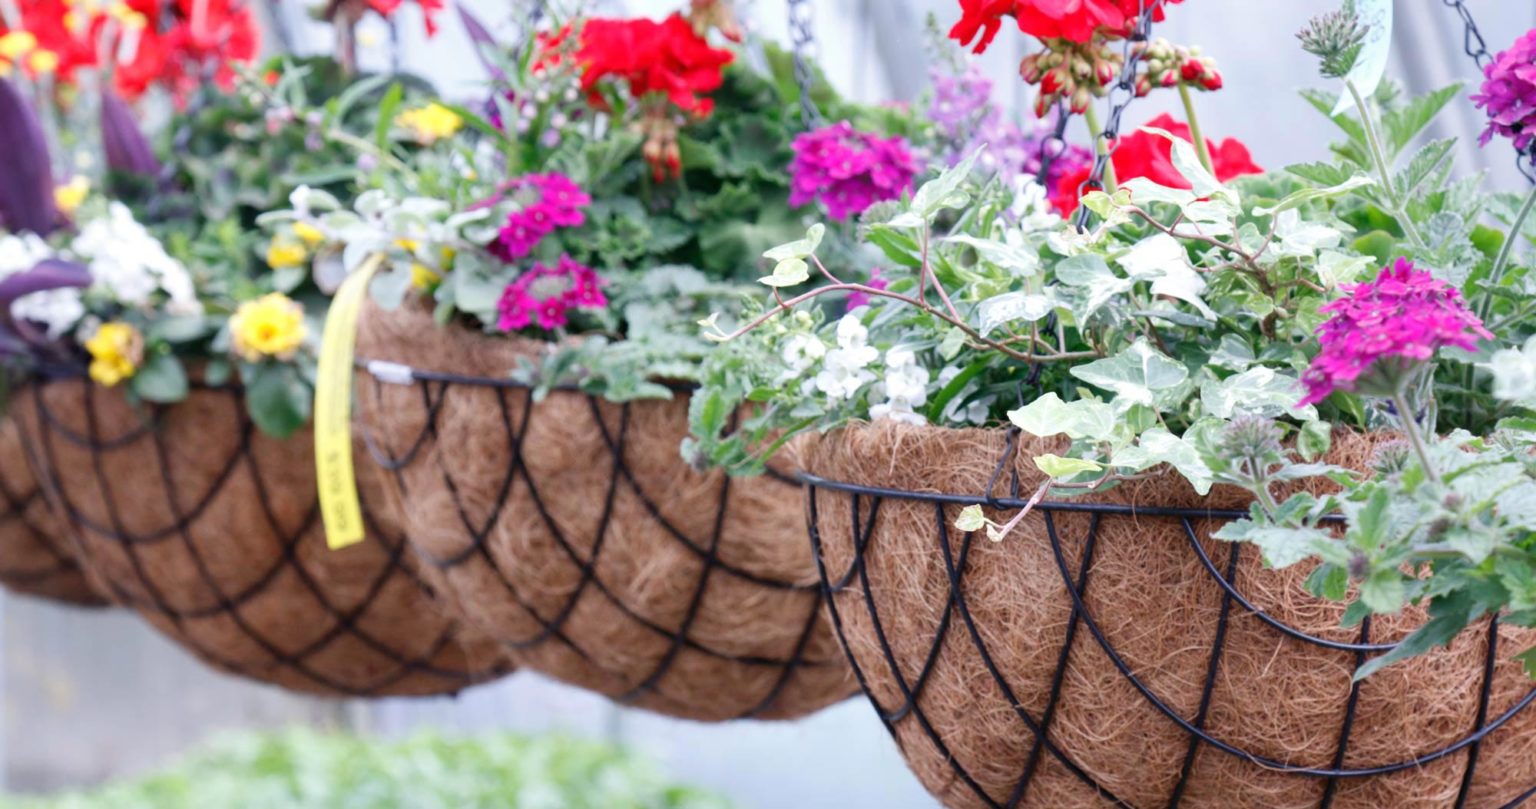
{"points": [[1476, 48], [1053, 145], [803, 39], [1121, 94]]}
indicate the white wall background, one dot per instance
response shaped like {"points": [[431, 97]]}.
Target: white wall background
{"points": [[90, 695]]}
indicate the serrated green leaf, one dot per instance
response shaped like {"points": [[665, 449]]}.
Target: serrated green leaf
{"points": [[1059, 468]]}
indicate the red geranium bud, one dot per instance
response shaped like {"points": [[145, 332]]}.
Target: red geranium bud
{"points": [[1081, 99], [1105, 71], [1169, 78], [1212, 81], [1143, 86], [1043, 103], [1192, 70], [1029, 68], [1053, 81]]}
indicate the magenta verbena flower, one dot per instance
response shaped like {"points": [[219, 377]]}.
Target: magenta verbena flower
{"points": [[1388, 326], [848, 170], [1509, 94], [546, 295], [546, 202]]}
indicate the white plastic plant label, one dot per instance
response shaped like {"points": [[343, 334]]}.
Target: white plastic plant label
{"points": [[1372, 61]]}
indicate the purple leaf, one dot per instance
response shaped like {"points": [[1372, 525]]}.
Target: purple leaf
{"points": [[484, 43], [26, 192], [128, 151], [51, 273]]}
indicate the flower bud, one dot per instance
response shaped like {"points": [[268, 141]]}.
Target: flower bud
{"points": [[1104, 71], [1081, 98], [1143, 85], [1053, 81], [1029, 69]]}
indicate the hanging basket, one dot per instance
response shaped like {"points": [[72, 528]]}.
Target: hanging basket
{"points": [[211, 531], [1108, 653], [35, 557], [571, 530]]}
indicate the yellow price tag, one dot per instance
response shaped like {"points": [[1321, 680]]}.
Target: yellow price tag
{"points": [[334, 475]]}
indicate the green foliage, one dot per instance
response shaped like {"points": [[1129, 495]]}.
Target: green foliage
{"points": [[308, 770]]}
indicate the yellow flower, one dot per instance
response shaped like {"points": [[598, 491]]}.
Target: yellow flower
{"points": [[116, 350], [424, 277], [16, 43], [408, 245], [430, 123], [68, 196], [284, 253], [43, 61], [308, 234], [270, 326]]}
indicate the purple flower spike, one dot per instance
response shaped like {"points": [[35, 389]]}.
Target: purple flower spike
{"points": [[127, 150]]}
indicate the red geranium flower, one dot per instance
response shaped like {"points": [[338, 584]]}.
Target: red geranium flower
{"points": [[1149, 155], [429, 11], [1074, 20], [667, 58]]}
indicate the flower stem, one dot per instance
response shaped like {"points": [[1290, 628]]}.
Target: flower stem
{"points": [[1485, 300], [1384, 171], [1201, 148], [1414, 431], [1101, 148]]}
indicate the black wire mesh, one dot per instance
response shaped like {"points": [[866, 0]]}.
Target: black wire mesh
{"points": [[34, 559], [211, 531], [577, 554], [855, 595]]}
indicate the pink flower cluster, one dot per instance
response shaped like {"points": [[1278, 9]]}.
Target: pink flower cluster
{"points": [[550, 201], [848, 170], [1404, 315], [545, 295], [1509, 94]]}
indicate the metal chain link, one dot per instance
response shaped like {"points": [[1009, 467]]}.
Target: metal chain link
{"points": [[1053, 145], [803, 39], [1121, 94], [1476, 48]]}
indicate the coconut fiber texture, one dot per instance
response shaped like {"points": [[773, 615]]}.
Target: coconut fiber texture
{"points": [[998, 694], [35, 558], [571, 530], [211, 530]]}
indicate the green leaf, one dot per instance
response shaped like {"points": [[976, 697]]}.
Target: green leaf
{"points": [[1008, 307], [1017, 261], [971, 519], [787, 273], [388, 106], [1384, 591], [1188, 164], [1314, 440], [1090, 272], [1138, 373], [1297, 199], [1049, 415], [1406, 123], [1158, 446], [1426, 163], [162, 379], [1284, 546], [1324, 174], [277, 397], [1329, 581], [944, 191], [1059, 468], [179, 329], [1448, 618], [801, 248]]}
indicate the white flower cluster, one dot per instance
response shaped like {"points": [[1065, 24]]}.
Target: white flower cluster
{"points": [[129, 264], [845, 371], [57, 310]]}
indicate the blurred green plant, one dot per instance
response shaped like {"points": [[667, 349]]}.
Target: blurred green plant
{"points": [[303, 769]]}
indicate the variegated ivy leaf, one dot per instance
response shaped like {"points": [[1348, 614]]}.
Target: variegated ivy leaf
{"points": [[787, 273], [1298, 239], [1258, 391], [1091, 273], [1082, 419], [1234, 353], [800, 248], [1018, 261], [971, 518], [944, 191], [1008, 307], [1158, 446], [1137, 374], [1187, 163], [1335, 269], [1059, 468], [1161, 260]]}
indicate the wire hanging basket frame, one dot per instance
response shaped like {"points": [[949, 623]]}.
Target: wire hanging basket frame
{"points": [[35, 559], [210, 530], [856, 530], [571, 530]]}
